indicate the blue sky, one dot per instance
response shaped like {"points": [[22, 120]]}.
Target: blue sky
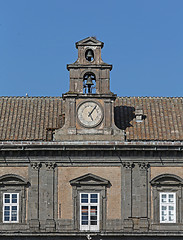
{"points": [[143, 39]]}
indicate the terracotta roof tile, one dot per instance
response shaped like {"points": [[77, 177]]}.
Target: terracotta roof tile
{"points": [[163, 118], [28, 118]]}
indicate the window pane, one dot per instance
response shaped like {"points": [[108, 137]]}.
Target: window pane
{"points": [[6, 213], [14, 213], [171, 198], [14, 198], [84, 198], [163, 198], [7, 219], [163, 218], [171, 213], [84, 222], [163, 213], [93, 215], [94, 198], [84, 215], [171, 218], [13, 208], [7, 198]]}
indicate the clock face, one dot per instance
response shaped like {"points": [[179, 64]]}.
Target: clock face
{"points": [[90, 114]]}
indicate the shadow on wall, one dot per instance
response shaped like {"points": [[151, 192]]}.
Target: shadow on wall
{"points": [[123, 115]]}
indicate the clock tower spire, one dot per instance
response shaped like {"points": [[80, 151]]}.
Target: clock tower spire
{"points": [[89, 103]]}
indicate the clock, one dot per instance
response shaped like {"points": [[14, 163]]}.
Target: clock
{"points": [[90, 114]]}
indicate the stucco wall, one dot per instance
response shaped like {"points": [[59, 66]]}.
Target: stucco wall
{"points": [[21, 171], [113, 174]]}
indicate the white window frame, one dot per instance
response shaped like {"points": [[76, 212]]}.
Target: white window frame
{"points": [[10, 204], [167, 204], [89, 227]]}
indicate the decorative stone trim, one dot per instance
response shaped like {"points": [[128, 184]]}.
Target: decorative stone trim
{"points": [[143, 165], [36, 166], [128, 165], [50, 165]]}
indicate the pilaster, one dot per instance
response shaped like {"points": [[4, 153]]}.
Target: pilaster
{"points": [[50, 222], [143, 224], [33, 199], [127, 196]]}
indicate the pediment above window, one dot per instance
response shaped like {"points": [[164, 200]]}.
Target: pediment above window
{"points": [[89, 179], [167, 179], [12, 179]]}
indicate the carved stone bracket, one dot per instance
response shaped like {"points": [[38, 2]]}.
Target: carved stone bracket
{"points": [[143, 165], [50, 165], [128, 165], [35, 165]]}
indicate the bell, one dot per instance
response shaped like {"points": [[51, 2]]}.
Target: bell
{"points": [[89, 81], [89, 55]]}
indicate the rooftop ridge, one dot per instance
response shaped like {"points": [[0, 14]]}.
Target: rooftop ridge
{"points": [[151, 97], [142, 97], [26, 97]]}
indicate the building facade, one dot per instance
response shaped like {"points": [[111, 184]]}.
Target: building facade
{"points": [[89, 164]]}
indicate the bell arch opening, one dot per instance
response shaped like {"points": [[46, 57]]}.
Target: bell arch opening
{"points": [[89, 55], [89, 83]]}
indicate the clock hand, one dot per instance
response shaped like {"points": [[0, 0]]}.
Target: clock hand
{"points": [[91, 117], [92, 111]]}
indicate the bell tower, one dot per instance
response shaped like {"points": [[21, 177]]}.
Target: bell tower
{"points": [[89, 103], [89, 72]]}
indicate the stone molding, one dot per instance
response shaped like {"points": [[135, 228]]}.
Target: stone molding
{"points": [[36, 166], [128, 165], [50, 165], [143, 165]]}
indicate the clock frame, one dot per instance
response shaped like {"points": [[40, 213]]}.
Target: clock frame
{"points": [[90, 114]]}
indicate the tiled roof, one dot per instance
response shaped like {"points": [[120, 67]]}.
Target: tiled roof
{"points": [[30, 118], [27, 118], [163, 118]]}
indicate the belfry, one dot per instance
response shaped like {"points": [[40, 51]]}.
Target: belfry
{"points": [[89, 111]]}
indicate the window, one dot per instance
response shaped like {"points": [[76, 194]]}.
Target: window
{"points": [[89, 211], [90, 202], [167, 207], [10, 207], [13, 191], [166, 200]]}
